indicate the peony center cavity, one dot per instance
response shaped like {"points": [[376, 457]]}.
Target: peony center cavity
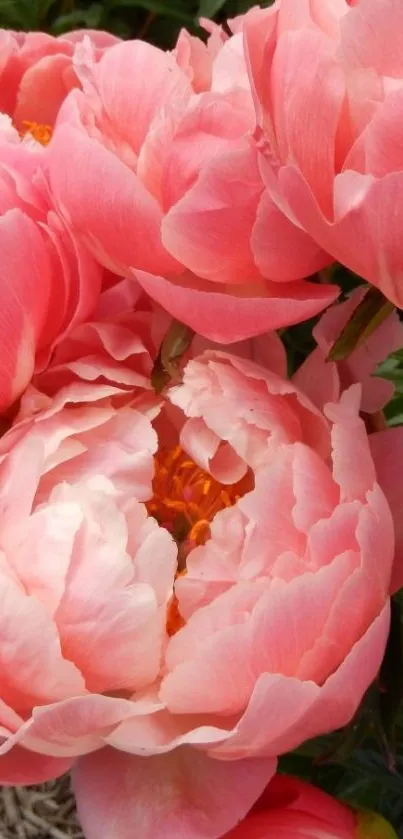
{"points": [[185, 501], [186, 498], [41, 133]]}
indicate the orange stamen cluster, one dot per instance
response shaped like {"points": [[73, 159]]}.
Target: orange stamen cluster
{"points": [[41, 133], [185, 501], [186, 498]]}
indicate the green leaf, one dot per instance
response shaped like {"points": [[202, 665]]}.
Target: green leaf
{"points": [[89, 18], [177, 10], [44, 6], [369, 314], [209, 8], [19, 14]]}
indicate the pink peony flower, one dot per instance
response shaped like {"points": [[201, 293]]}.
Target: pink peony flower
{"points": [[48, 280], [328, 82], [161, 181], [210, 544], [36, 74], [291, 809]]}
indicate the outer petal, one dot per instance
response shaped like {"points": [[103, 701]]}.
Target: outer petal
{"points": [[296, 711], [33, 669], [367, 211], [387, 452], [21, 767], [372, 36], [193, 56], [25, 284], [134, 81], [43, 88], [209, 229], [282, 824], [296, 795], [318, 378], [182, 794], [282, 250], [308, 91], [72, 727], [106, 203], [225, 315]]}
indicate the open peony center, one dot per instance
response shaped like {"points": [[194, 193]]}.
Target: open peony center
{"points": [[41, 133], [186, 498], [185, 501]]}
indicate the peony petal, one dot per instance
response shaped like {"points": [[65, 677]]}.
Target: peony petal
{"points": [[387, 451], [209, 229], [180, 794], [43, 88], [25, 287], [227, 316], [295, 711], [305, 72], [106, 198], [366, 210], [283, 251], [134, 81], [22, 768], [372, 36]]}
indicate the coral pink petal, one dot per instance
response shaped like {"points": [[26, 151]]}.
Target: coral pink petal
{"points": [[101, 40], [74, 726], [387, 452], [353, 467], [372, 36], [43, 88], [227, 316], [209, 229], [283, 824], [212, 125], [32, 665], [296, 711], [106, 201], [22, 767], [193, 56], [318, 378], [181, 794], [367, 210], [135, 80], [299, 796], [281, 250], [25, 283], [309, 88], [267, 350]]}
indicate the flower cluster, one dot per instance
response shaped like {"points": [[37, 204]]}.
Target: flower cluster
{"points": [[195, 572]]}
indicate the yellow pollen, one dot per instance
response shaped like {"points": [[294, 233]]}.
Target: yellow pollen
{"points": [[41, 133], [185, 501]]}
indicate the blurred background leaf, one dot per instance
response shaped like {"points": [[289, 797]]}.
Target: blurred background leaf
{"points": [[161, 20]]}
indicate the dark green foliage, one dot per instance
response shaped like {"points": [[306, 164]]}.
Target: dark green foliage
{"points": [[158, 20]]}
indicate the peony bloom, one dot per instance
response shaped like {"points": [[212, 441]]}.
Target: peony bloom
{"points": [[175, 578], [161, 181], [48, 280], [36, 74], [328, 83], [291, 809]]}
